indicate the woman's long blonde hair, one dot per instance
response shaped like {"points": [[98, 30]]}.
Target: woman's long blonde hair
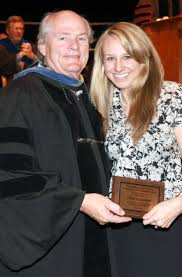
{"points": [[145, 89]]}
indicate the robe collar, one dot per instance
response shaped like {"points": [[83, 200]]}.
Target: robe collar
{"points": [[50, 74]]}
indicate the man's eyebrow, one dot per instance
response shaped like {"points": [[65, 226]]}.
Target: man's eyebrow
{"points": [[69, 33], [84, 33]]}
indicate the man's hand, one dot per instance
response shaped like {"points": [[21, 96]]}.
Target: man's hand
{"points": [[102, 209]]}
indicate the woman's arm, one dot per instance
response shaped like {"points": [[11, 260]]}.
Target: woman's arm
{"points": [[178, 133]]}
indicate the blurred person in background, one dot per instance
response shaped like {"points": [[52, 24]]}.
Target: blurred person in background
{"points": [[7, 65], [16, 44], [145, 12]]}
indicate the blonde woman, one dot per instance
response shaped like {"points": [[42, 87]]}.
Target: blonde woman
{"points": [[142, 116]]}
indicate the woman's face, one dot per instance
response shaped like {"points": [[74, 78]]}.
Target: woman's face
{"points": [[119, 66]]}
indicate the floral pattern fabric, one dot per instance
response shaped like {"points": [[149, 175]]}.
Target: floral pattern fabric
{"points": [[156, 156]]}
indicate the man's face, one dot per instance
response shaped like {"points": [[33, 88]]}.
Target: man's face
{"points": [[66, 47], [15, 31]]}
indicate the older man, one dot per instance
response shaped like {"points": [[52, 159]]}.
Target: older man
{"points": [[53, 167]]}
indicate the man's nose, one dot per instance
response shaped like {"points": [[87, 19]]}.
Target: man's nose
{"points": [[74, 43]]}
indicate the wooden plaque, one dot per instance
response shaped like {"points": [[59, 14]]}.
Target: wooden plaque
{"points": [[136, 196]]}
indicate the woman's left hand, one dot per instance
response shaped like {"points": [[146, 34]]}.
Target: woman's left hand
{"points": [[164, 213]]}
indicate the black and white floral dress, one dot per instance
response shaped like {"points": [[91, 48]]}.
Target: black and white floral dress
{"points": [[157, 155], [143, 251]]}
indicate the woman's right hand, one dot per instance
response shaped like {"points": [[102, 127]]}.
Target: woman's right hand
{"points": [[102, 209]]}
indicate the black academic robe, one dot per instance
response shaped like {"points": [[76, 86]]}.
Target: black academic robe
{"points": [[42, 232]]}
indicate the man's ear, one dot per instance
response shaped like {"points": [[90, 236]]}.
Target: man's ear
{"points": [[42, 48]]}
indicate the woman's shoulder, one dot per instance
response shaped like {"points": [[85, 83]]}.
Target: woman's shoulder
{"points": [[171, 89], [171, 93], [171, 86]]}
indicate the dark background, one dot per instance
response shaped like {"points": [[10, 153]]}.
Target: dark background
{"points": [[108, 11], [32, 11]]}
